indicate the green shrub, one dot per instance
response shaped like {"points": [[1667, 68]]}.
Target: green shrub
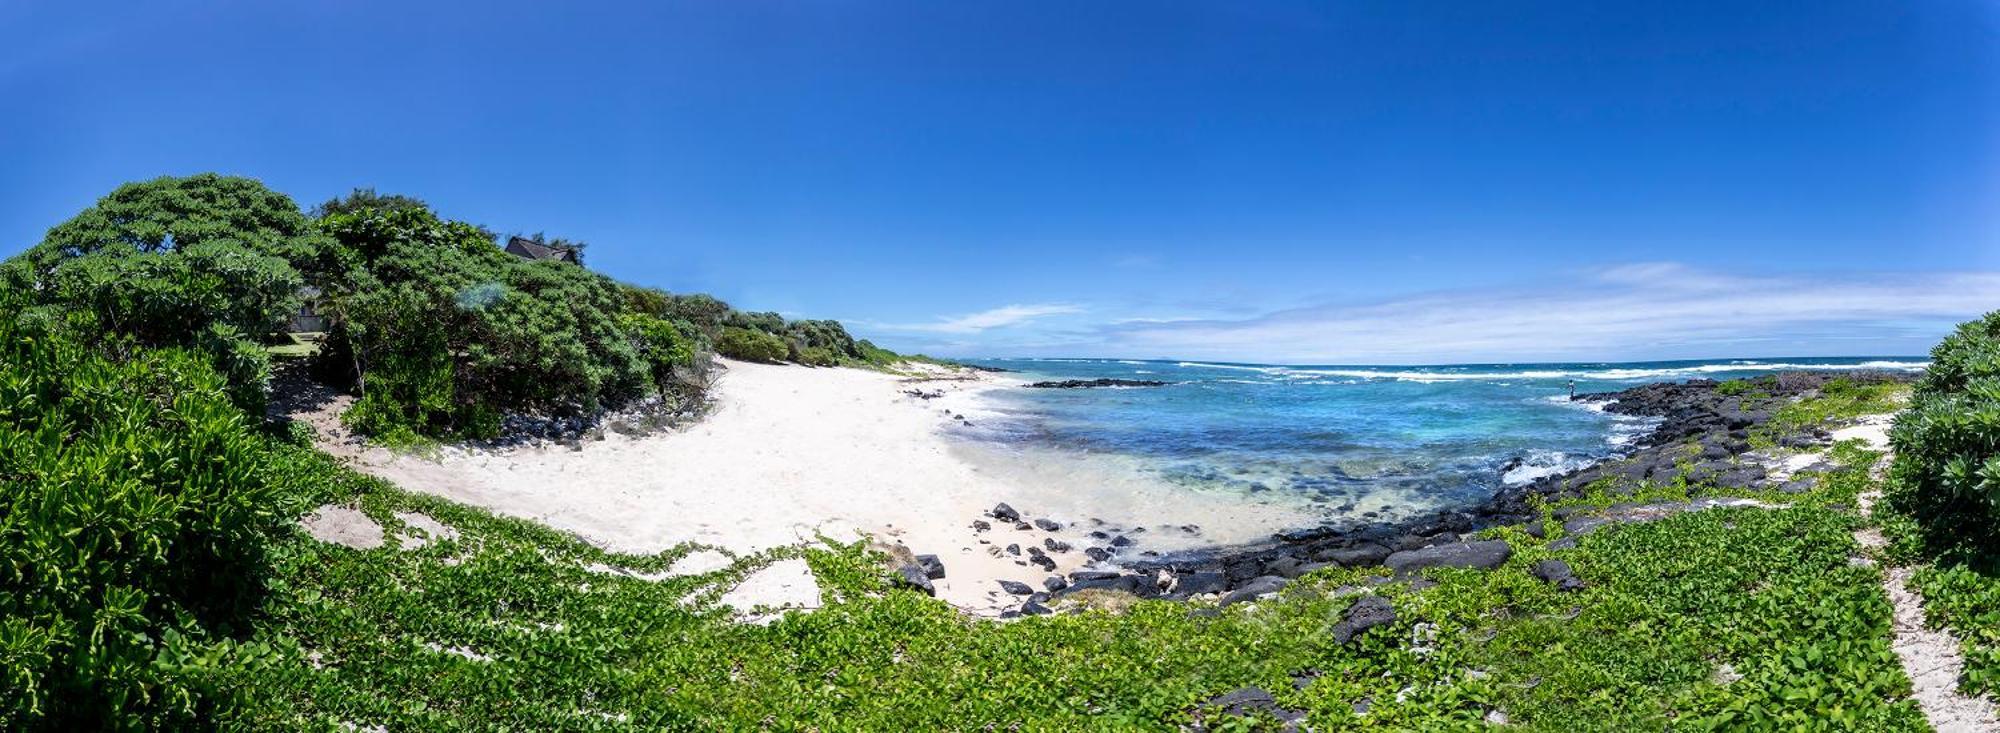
{"points": [[135, 507], [663, 345], [748, 345], [1947, 471], [443, 333], [814, 356], [202, 262]]}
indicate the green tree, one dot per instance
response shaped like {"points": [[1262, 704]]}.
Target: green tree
{"points": [[203, 262], [364, 199], [444, 333]]}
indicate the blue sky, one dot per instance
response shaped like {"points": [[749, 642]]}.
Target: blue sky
{"points": [[1400, 182]]}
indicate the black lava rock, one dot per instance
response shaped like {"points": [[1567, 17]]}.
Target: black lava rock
{"points": [[1558, 573], [1487, 554], [1254, 702], [1194, 584], [1365, 614], [913, 576], [1256, 588], [933, 567]]}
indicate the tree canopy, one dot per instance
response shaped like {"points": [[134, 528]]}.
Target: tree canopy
{"points": [[203, 262]]}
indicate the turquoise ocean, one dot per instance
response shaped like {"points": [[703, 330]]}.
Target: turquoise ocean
{"points": [[1336, 435]]}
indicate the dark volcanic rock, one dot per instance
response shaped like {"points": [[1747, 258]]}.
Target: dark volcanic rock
{"points": [[1087, 575], [1054, 583], [1487, 555], [1799, 485], [1365, 554], [1097, 553], [914, 577], [932, 566], [1254, 701], [1194, 584], [1005, 513], [1043, 562], [1055, 545], [1255, 589], [1086, 383], [1047, 525], [1558, 573], [1365, 614], [1016, 587], [1126, 583]]}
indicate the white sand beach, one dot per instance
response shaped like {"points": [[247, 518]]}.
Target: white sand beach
{"points": [[790, 453]]}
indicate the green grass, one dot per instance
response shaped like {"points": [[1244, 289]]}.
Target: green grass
{"points": [[1840, 399], [297, 345], [1769, 593]]}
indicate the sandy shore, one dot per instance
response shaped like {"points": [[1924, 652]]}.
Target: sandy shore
{"points": [[791, 453]]}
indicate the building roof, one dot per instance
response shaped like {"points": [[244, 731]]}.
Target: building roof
{"points": [[530, 249]]}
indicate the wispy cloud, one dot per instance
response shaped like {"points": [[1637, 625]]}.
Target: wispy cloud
{"points": [[1001, 317], [1648, 310]]}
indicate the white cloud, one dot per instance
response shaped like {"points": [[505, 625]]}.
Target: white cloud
{"points": [[1001, 317], [1652, 310]]}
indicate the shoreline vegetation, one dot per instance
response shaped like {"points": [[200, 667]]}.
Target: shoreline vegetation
{"points": [[172, 558]]}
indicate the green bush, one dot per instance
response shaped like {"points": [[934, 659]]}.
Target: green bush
{"points": [[443, 333], [814, 356], [748, 345], [202, 262], [1947, 471], [135, 508], [663, 345]]}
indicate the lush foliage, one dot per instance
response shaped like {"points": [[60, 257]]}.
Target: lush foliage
{"points": [[810, 342], [366, 199], [203, 262], [1726, 619], [446, 333], [1947, 470], [1942, 507], [750, 345], [135, 510]]}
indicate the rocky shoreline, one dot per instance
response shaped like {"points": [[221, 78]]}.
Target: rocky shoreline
{"points": [[1704, 435]]}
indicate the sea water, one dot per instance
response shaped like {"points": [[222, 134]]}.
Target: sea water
{"points": [[1344, 440]]}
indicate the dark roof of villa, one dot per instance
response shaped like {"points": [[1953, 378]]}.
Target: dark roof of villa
{"points": [[528, 248]]}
